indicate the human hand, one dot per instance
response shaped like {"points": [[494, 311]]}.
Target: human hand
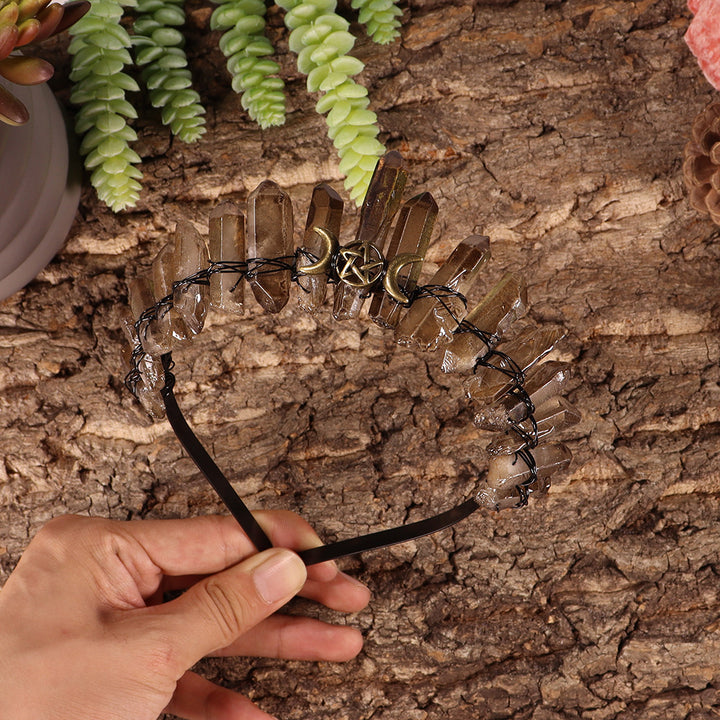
{"points": [[84, 633]]}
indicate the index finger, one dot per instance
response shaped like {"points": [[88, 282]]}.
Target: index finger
{"points": [[209, 544]]}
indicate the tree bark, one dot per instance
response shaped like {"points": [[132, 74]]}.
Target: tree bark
{"points": [[555, 128]]}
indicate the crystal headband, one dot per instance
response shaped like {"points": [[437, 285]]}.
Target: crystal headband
{"points": [[521, 396]]}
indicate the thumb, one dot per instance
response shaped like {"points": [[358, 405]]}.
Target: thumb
{"points": [[217, 610]]}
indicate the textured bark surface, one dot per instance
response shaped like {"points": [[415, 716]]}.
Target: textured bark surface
{"points": [[557, 129]]}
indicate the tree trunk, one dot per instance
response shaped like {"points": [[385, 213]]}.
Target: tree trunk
{"points": [[555, 128]]}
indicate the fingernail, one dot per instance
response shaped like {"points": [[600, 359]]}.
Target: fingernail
{"points": [[354, 581], [279, 576]]}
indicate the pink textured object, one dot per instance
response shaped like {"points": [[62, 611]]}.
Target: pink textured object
{"points": [[703, 38]]}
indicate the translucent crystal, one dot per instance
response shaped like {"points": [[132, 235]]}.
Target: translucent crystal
{"points": [[498, 499], [151, 375], [517, 355], [493, 315], [155, 335], [270, 236], [411, 235], [326, 208], [382, 202], [163, 276], [147, 390], [227, 244], [541, 383], [432, 320], [553, 416], [190, 255], [512, 469]]}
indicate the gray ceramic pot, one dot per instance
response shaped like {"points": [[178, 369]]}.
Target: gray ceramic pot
{"points": [[39, 189]]}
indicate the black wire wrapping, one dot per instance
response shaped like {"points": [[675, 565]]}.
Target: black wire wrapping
{"points": [[222, 486]]}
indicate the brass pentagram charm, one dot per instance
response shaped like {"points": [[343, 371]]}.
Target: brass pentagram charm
{"points": [[360, 265]]}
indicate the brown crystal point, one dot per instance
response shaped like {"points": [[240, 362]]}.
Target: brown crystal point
{"points": [[512, 469], [151, 376], [382, 200], [227, 244], [701, 165], [513, 357], [553, 416], [502, 499], [155, 336], [381, 204], [411, 236], [493, 315], [190, 255], [541, 383], [431, 320], [147, 390], [326, 209], [269, 236], [163, 276]]}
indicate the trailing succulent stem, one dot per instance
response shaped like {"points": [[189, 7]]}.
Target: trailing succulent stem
{"points": [[321, 40], [159, 48], [99, 52], [380, 18], [254, 75], [318, 34]]}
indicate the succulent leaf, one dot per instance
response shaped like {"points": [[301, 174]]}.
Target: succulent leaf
{"points": [[8, 36], [159, 49], [49, 18], [321, 40], [23, 70], [246, 48], [99, 52], [27, 32], [72, 12], [21, 23], [380, 18]]}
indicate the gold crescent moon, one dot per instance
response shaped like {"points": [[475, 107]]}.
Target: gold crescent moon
{"points": [[330, 247], [390, 281]]}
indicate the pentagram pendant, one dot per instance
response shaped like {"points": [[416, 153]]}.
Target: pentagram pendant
{"points": [[360, 265]]}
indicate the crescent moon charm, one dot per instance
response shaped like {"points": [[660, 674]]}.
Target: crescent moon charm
{"points": [[329, 249], [390, 281]]}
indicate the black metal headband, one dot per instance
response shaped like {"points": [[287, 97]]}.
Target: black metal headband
{"points": [[523, 395]]}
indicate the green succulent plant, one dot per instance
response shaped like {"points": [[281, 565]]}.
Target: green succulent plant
{"points": [[254, 75], [380, 18], [322, 42], [318, 34], [21, 23], [100, 52], [159, 49]]}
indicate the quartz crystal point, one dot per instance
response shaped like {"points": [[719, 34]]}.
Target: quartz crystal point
{"points": [[163, 276], [512, 469], [326, 209], [411, 235], [227, 244], [541, 383], [269, 236], [190, 300], [154, 335], [147, 391], [379, 208], [493, 315], [516, 356], [494, 499], [431, 320], [553, 416], [152, 377]]}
